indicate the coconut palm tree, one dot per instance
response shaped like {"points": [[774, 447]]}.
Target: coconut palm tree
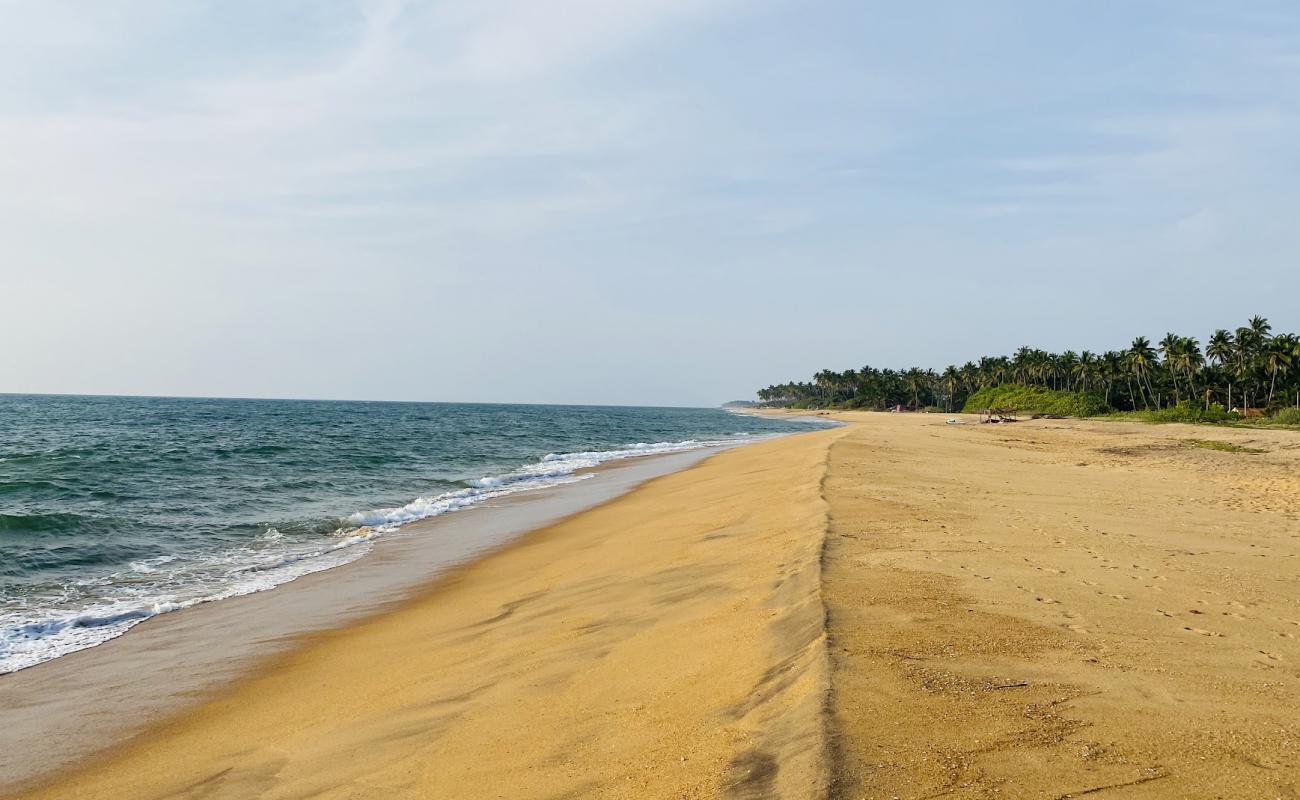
{"points": [[1065, 366], [1141, 358], [914, 380], [1169, 351], [1295, 359], [1112, 369], [951, 380], [1085, 370], [1222, 349], [1278, 356], [1247, 363], [1190, 360]]}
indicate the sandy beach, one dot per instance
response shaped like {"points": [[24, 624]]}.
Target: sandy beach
{"points": [[1064, 608], [64, 711], [894, 608]]}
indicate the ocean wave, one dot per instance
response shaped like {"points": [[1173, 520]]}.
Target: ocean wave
{"points": [[44, 522], [48, 454], [25, 641], [553, 469], [100, 609]]}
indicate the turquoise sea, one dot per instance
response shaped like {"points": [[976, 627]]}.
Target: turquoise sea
{"points": [[116, 509]]}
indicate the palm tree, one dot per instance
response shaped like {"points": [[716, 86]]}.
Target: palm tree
{"points": [[1141, 357], [1222, 348], [1295, 358], [1169, 350], [1065, 366], [1278, 358], [1086, 369], [1191, 361], [951, 380], [914, 380], [825, 381], [1260, 327], [969, 377], [1112, 368], [1248, 363]]}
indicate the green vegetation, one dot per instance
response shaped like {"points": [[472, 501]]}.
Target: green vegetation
{"points": [[1036, 400], [1225, 447], [1247, 376], [1287, 416], [1185, 411]]}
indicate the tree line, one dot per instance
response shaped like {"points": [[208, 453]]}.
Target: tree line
{"points": [[1250, 367]]}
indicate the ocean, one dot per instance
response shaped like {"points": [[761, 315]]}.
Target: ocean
{"points": [[116, 509]]}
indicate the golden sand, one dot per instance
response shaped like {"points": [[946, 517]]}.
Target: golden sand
{"points": [[1060, 609], [666, 645], [899, 608]]}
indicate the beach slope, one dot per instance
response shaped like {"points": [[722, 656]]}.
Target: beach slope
{"points": [[667, 644]]}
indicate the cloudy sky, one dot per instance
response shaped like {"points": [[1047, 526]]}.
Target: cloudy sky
{"points": [[641, 201]]}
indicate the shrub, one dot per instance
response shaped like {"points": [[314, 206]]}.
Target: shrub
{"points": [[1188, 411], [1286, 416], [1036, 400]]}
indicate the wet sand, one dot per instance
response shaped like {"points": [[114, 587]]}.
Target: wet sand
{"points": [[897, 608]]}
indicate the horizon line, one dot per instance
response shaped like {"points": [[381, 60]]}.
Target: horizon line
{"points": [[343, 400]]}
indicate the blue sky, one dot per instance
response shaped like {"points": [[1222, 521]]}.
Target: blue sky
{"points": [[650, 201]]}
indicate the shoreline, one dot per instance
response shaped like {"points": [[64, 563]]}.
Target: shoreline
{"points": [[177, 660], [639, 616]]}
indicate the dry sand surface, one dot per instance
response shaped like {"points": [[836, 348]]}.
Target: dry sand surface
{"points": [[1057, 609], [898, 608]]}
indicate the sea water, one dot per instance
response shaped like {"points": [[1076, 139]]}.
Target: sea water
{"points": [[116, 509]]}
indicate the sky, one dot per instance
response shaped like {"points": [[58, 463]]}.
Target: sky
{"points": [[647, 202]]}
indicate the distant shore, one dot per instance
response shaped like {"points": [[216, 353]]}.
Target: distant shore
{"points": [[894, 608]]}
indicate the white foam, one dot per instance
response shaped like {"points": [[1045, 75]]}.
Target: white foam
{"points": [[554, 469]]}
